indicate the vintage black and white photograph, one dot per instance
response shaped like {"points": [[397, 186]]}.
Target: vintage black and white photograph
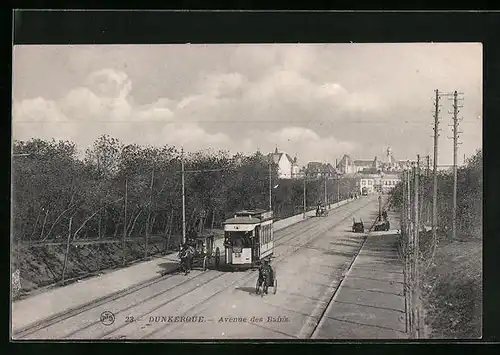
{"points": [[247, 191]]}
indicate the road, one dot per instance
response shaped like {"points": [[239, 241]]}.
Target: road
{"points": [[310, 260]]}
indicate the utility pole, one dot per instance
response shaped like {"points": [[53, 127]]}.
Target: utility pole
{"points": [[270, 187], [305, 201], [403, 209], [409, 238], [434, 163], [125, 221], [416, 171], [379, 207], [420, 195], [405, 240], [455, 150], [427, 175], [183, 199], [338, 189], [146, 237], [326, 198]]}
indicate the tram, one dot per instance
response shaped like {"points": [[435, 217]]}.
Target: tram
{"points": [[248, 238]]}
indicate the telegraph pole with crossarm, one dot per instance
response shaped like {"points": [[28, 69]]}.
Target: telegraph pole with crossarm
{"points": [[454, 126]]}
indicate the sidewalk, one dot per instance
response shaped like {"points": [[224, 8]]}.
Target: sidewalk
{"points": [[62, 299], [57, 301], [370, 302]]}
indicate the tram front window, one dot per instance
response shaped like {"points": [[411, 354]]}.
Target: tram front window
{"points": [[239, 240]]}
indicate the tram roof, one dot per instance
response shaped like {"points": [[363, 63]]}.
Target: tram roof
{"points": [[253, 212], [242, 220]]}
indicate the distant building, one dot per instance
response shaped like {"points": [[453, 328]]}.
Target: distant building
{"points": [[320, 170], [346, 165], [375, 183], [360, 165], [287, 167], [388, 165]]}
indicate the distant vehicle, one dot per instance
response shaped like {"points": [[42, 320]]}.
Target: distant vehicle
{"points": [[358, 227], [382, 226], [364, 191], [321, 211], [249, 238]]}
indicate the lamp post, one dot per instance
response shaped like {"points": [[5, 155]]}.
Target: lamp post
{"points": [[270, 186], [305, 199], [379, 207], [326, 196], [183, 199]]}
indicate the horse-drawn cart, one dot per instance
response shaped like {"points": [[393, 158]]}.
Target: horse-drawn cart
{"points": [[321, 211], [203, 252], [358, 227], [382, 226]]}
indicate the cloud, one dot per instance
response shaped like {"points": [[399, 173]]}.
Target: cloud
{"points": [[37, 110], [220, 84], [318, 101], [160, 110], [109, 83], [192, 137], [104, 105]]}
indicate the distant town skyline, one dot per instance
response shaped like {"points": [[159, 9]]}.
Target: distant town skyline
{"points": [[317, 102]]}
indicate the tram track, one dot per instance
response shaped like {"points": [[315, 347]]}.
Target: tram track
{"points": [[37, 326], [315, 231], [251, 275], [45, 323], [322, 229]]}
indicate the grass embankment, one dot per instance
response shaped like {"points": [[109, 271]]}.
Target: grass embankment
{"points": [[42, 267], [452, 291]]}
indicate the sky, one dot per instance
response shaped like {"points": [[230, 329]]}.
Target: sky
{"points": [[313, 101]]}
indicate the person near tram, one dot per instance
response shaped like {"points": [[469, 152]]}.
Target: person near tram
{"points": [[265, 270], [186, 255]]}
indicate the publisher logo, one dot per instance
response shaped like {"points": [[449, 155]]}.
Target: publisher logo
{"points": [[107, 318]]}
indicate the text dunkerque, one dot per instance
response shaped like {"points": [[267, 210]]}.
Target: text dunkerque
{"points": [[177, 319]]}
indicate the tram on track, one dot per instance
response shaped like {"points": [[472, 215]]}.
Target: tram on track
{"points": [[248, 238]]}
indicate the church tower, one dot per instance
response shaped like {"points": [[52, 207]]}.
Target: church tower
{"points": [[389, 156]]}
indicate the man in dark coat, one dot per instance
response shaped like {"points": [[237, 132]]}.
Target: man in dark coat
{"points": [[265, 270], [186, 256]]}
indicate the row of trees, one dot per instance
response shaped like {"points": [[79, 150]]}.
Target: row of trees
{"points": [[469, 198], [121, 190]]}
